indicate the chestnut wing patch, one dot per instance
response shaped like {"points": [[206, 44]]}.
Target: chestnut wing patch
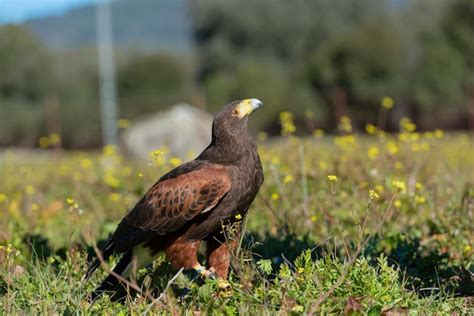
{"points": [[170, 203]]}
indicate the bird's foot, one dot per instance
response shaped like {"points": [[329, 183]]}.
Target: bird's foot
{"points": [[225, 290], [223, 284]]}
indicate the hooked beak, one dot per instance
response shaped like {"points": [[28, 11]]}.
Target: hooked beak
{"points": [[247, 106]]}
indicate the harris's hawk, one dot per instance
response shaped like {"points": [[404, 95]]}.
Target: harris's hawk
{"points": [[190, 203]]}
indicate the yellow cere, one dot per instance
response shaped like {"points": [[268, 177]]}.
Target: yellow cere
{"points": [[245, 108]]}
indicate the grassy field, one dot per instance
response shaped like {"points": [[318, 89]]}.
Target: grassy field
{"points": [[366, 224]]}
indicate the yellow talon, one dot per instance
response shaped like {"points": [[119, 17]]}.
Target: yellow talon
{"points": [[223, 284]]}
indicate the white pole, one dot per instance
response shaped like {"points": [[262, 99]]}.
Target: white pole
{"points": [[105, 53]]}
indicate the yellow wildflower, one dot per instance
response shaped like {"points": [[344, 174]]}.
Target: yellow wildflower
{"points": [[156, 153], [112, 181], [420, 199], [238, 216], [398, 165], [34, 207], [109, 150], [373, 152], [287, 125], [114, 197], [397, 203], [29, 189], [275, 196], [467, 249], [370, 129], [70, 201], [288, 179], [419, 186], [345, 124], [318, 133], [407, 125], [175, 161], [415, 136], [399, 185], [373, 195], [404, 136], [314, 218], [44, 142], [332, 178], [3, 197], [387, 102], [438, 133], [379, 188], [392, 147], [54, 139], [86, 163], [346, 142]]}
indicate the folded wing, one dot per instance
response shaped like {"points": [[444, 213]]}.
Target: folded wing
{"points": [[171, 203]]}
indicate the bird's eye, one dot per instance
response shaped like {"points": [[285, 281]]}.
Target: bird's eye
{"points": [[235, 112]]}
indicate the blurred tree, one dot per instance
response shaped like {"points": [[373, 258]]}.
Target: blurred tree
{"points": [[347, 51], [277, 85], [437, 76], [441, 78], [458, 26], [148, 83], [26, 79], [226, 31], [359, 66], [25, 66]]}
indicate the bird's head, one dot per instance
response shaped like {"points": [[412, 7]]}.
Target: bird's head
{"points": [[232, 119]]}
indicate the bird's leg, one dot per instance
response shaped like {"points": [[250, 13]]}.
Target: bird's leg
{"points": [[205, 273], [219, 258]]}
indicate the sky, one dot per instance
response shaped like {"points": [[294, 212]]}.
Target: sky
{"points": [[17, 11]]}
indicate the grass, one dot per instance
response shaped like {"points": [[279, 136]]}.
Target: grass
{"points": [[363, 224]]}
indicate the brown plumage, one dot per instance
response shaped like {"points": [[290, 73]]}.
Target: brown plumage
{"points": [[191, 202]]}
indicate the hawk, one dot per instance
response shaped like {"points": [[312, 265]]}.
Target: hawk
{"points": [[190, 203]]}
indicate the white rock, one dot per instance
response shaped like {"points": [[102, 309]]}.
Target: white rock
{"points": [[183, 128]]}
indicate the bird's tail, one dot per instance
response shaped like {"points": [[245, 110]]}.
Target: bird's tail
{"points": [[106, 253], [111, 282]]}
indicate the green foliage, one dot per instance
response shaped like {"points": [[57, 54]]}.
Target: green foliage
{"points": [[318, 59], [349, 54], [366, 62], [261, 79], [438, 77], [25, 66], [149, 83], [44, 92], [458, 25], [20, 123], [265, 266], [295, 252]]}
